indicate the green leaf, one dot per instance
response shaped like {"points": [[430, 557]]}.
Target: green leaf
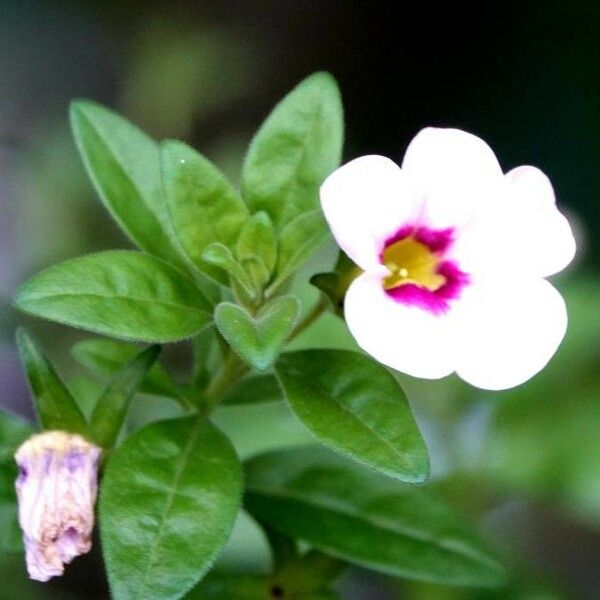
{"points": [[221, 257], [203, 206], [10, 533], [118, 293], [221, 587], [298, 145], [355, 406], [335, 284], [256, 249], [105, 357], [258, 340], [111, 408], [169, 499], [257, 238], [257, 389], [124, 166], [299, 240], [13, 432], [375, 522], [55, 407]]}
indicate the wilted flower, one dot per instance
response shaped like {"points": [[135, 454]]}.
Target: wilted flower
{"points": [[56, 489], [454, 255]]}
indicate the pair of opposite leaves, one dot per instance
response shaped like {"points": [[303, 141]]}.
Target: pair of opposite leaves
{"points": [[258, 339]]}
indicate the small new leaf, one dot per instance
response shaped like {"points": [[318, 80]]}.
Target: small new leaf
{"points": [[55, 407], [222, 257], [258, 340]]}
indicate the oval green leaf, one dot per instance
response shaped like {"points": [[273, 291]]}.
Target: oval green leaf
{"points": [[356, 407], [124, 166], [203, 206], [118, 293], [169, 500], [298, 145], [354, 514]]}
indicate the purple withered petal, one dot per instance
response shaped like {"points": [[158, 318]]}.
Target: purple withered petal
{"points": [[56, 489]]}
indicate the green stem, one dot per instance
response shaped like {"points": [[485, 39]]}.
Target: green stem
{"points": [[231, 370]]}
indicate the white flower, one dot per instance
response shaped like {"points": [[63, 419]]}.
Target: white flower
{"points": [[454, 254], [56, 489]]}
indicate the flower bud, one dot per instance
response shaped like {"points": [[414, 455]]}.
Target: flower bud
{"points": [[56, 489]]}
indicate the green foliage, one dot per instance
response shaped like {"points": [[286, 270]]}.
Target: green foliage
{"points": [[298, 145], [361, 517], [298, 240], [231, 588], [203, 206], [13, 432], [55, 407], [105, 357], [258, 340], [222, 257], [257, 389], [356, 407], [124, 166], [256, 250], [119, 293], [169, 499], [111, 407]]}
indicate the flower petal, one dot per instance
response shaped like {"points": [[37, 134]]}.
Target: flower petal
{"points": [[508, 333], [406, 338], [365, 202], [539, 234], [456, 173]]}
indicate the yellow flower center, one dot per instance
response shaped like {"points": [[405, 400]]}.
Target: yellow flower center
{"points": [[410, 261]]}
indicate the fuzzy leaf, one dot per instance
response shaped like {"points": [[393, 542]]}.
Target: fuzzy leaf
{"points": [[124, 166], [169, 499], [203, 206], [356, 407], [258, 340], [375, 522], [299, 240], [118, 293], [298, 145]]}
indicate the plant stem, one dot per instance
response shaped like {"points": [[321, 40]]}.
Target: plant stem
{"points": [[231, 370]]}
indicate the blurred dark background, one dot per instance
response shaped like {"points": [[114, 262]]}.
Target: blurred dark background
{"points": [[525, 76]]}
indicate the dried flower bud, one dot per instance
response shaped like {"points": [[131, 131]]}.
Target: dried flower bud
{"points": [[56, 488]]}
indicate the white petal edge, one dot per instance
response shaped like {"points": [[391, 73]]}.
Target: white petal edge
{"points": [[405, 338], [456, 173], [508, 333], [365, 202], [539, 233]]}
